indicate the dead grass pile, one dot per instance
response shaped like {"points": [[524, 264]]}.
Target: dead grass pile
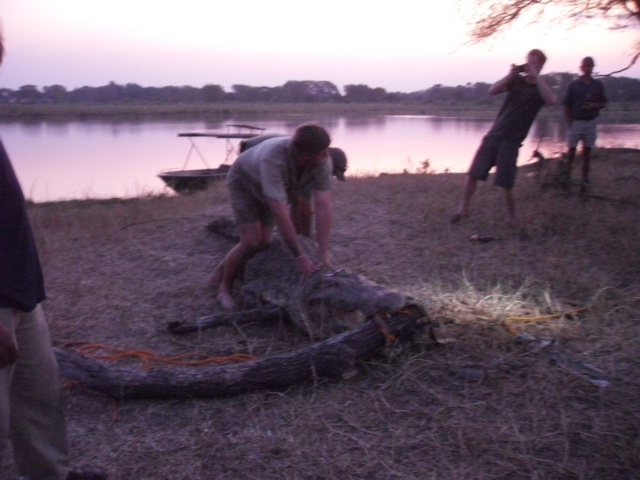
{"points": [[553, 396]]}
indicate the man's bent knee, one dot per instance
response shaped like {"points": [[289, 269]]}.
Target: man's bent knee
{"points": [[252, 246]]}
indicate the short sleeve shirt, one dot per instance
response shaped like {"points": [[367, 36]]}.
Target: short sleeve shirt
{"points": [[518, 111], [580, 92], [268, 172]]}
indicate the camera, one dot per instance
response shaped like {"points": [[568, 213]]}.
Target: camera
{"points": [[521, 68]]}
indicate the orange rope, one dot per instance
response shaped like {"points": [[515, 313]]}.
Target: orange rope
{"points": [[390, 337], [114, 354], [539, 318], [382, 326]]}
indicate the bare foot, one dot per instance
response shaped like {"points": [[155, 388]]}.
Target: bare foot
{"points": [[226, 301]]}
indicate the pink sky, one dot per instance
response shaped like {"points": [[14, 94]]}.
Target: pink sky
{"points": [[400, 46]]}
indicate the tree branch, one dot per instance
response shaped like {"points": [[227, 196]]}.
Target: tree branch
{"points": [[633, 61]]}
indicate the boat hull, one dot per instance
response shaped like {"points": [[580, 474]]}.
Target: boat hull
{"points": [[186, 181]]}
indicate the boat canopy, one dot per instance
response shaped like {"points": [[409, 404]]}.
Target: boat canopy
{"points": [[233, 130]]}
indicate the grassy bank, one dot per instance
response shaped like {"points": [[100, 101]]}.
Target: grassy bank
{"points": [[615, 112], [487, 402], [233, 109]]}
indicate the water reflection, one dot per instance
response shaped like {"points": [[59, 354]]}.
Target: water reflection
{"points": [[64, 160]]}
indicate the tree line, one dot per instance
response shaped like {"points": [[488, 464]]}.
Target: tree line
{"points": [[619, 89]]}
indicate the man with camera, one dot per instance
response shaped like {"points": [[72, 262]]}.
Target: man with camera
{"points": [[527, 93]]}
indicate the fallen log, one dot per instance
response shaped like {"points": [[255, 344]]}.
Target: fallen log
{"points": [[330, 358]]}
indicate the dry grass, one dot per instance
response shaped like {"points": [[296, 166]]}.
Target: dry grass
{"points": [[480, 405]]}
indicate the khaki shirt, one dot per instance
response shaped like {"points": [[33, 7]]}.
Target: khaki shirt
{"points": [[269, 172]]}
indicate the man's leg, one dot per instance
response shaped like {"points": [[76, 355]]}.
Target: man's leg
{"points": [[251, 218], [302, 213], [216, 277], [253, 238], [588, 142], [571, 154], [506, 173], [37, 425], [468, 190], [7, 320], [574, 135], [483, 161], [586, 163], [511, 206]]}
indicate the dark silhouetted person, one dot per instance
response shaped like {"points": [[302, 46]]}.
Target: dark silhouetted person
{"points": [[31, 397], [582, 102]]}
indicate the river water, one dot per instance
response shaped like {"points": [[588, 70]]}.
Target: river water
{"points": [[97, 159]]}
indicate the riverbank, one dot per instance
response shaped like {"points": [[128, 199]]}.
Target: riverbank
{"points": [[486, 402], [623, 112]]}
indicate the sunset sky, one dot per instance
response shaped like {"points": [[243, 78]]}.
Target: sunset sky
{"points": [[404, 45]]}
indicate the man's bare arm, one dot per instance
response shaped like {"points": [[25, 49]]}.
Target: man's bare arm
{"points": [[289, 235], [502, 85], [548, 95], [301, 213], [323, 209]]}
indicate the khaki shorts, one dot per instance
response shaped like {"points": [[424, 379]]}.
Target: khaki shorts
{"points": [[584, 130], [247, 208]]}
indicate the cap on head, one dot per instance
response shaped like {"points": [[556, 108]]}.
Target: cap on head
{"points": [[339, 161], [310, 138]]}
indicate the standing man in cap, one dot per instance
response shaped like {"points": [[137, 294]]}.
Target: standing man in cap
{"points": [[264, 181], [582, 102]]}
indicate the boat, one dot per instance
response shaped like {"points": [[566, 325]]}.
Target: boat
{"points": [[186, 181], [189, 180]]}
